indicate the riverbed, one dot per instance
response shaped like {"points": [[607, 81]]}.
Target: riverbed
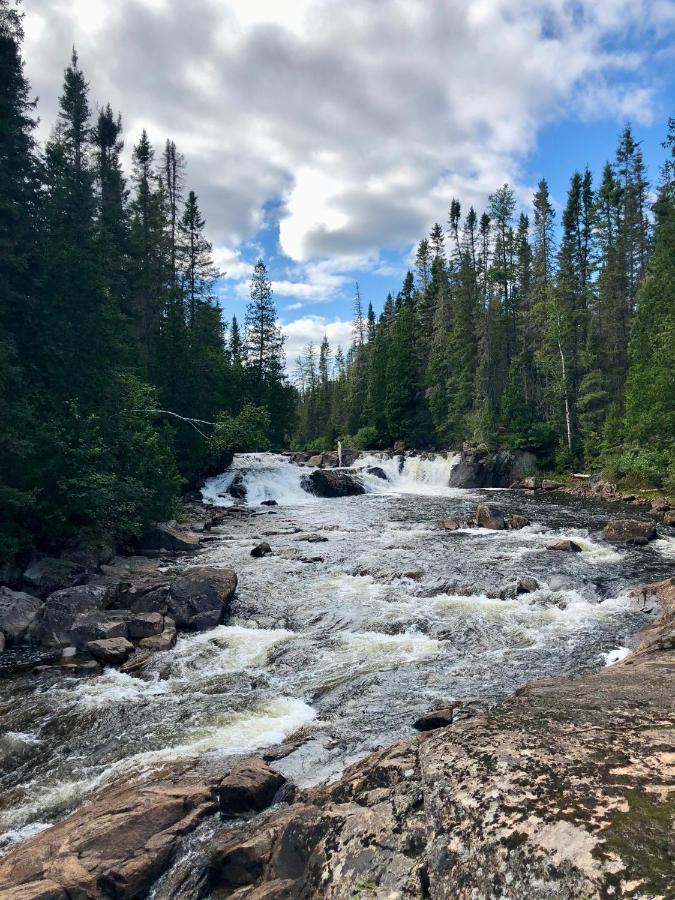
{"points": [[342, 641]]}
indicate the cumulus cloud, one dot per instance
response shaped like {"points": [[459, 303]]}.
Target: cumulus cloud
{"points": [[358, 121], [311, 329]]}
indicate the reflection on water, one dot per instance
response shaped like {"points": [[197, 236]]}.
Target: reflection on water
{"points": [[397, 616]]}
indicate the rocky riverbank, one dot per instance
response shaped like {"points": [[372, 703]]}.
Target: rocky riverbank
{"points": [[564, 790]]}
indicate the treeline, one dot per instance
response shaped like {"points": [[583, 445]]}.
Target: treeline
{"points": [[109, 326], [518, 333]]}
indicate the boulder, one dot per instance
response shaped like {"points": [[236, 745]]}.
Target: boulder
{"points": [[526, 584], [18, 611], [669, 518], [137, 662], [660, 505], [111, 651], [531, 484], [237, 488], [450, 524], [549, 485], [198, 599], [476, 469], [333, 483], [437, 718], [55, 622], [377, 472], [518, 522], [629, 531], [167, 537], [250, 786], [488, 515], [115, 846], [261, 549], [269, 503], [315, 461], [97, 625], [312, 538], [147, 594], [565, 546], [145, 624], [161, 642], [47, 575]]}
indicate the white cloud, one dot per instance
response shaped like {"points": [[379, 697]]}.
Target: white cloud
{"points": [[311, 329], [360, 119]]}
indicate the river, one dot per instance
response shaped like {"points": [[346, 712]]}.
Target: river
{"points": [[344, 641]]}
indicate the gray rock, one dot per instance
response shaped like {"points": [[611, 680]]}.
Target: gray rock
{"points": [[450, 524], [531, 484], [237, 488], [149, 594], [476, 469], [333, 483], [47, 575], [198, 599], [97, 625], [516, 522], [161, 642], [312, 538], [377, 472], [53, 627], [145, 624], [18, 611], [261, 549], [526, 584], [629, 531], [565, 546], [269, 503], [112, 651], [168, 537], [490, 516]]}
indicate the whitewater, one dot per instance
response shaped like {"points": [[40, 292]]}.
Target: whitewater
{"points": [[339, 644]]}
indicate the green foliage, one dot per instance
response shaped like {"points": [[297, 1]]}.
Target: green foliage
{"points": [[249, 430]]}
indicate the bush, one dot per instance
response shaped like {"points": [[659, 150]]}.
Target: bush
{"points": [[246, 431], [655, 467]]}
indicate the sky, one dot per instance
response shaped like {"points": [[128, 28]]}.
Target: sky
{"points": [[327, 136]]}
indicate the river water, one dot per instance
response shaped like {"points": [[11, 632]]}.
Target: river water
{"points": [[344, 641]]}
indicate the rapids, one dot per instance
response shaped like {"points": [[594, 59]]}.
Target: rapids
{"points": [[343, 642]]}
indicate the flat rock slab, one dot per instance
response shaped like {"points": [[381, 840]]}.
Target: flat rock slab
{"points": [[629, 531], [111, 651]]}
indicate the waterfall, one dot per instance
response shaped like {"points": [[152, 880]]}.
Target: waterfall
{"points": [[265, 476], [408, 474]]}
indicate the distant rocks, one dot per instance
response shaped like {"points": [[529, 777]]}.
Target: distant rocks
{"points": [[629, 531], [269, 503], [477, 469], [333, 483]]}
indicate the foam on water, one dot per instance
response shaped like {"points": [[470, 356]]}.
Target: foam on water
{"points": [[266, 476], [426, 476], [614, 656]]}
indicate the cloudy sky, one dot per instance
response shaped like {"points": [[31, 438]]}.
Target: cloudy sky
{"points": [[329, 135]]}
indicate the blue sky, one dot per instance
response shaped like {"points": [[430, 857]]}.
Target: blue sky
{"points": [[327, 136]]}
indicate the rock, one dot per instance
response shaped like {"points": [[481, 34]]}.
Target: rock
{"points": [[669, 518], [549, 485], [660, 505], [261, 549], [333, 483], [315, 461], [166, 536], [147, 594], [531, 484], [115, 846], [199, 598], [193, 496], [490, 516], [526, 584], [450, 524], [312, 538], [54, 624], [18, 611], [142, 625], [250, 786], [437, 718], [475, 469], [48, 575], [159, 643], [628, 498], [565, 546], [2, 641], [81, 667], [516, 522], [269, 503], [97, 625], [112, 651], [237, 488], [629, 531], [137, 662], [377, 472]]}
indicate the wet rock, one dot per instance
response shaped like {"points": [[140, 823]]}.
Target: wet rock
{"points": [[377, 472], [629, 531], [488, 515], [261, 549], [269, 503], [198, 599], [526, 584], [147, 594], [565, 546], [115, 846], [142, 625], [25, 658], [312, 538], [81, 668], [450, 524], [161, 642], [47, 575], [316, 460], [237, 488], [97, 625], [475, 469], [516, 522], [167, 536], [18, 611], [137, 662], [333, 483], [437, 718], [111, 651], [250, 786], [55, 622]]}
